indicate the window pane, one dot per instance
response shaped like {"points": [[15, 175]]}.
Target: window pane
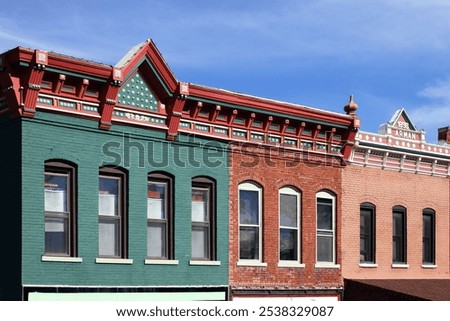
{"points": [[249, 243], [398, 224], [156, 201], [427, 226], [56, 235], [366, 235], [288, 210], [428, 239], [156, 240], [55, 193], [398, 245], [249, 207], [324, 214], [200, 199], [109, 238], [288, 244], [108, 196], [324, 248], [200, 242]]}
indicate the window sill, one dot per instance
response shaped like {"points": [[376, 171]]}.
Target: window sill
{"points": [[161, 262], [251, 263], [46, 258], [429, 266], [113, 261], [400, 266], [200, 262], [287, 264], [368, 265], [327, 266]]}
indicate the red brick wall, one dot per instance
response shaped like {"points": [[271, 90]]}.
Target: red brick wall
{"points": [[385, 189], [273, 171]]}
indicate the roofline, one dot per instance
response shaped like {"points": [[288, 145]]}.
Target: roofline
{"points": [[268, 105], [148, 50]]}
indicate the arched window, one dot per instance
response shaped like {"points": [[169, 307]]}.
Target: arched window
{"points": [[112, 213], [60, 209], [203, 219], [160, 216], [326, 228], [399, 235], [289, 236], [367, 233], [250, 222], [428, 237]]}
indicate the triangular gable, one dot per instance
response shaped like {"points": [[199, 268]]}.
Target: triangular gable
{"points": [[145, 59], [401, 120], [401, 126], [137, 94]]}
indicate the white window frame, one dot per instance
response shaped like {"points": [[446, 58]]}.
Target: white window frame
{"points": [[161, 221], [290, 191], [248, 186], [332, 264]]}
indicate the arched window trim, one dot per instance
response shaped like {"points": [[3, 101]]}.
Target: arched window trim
{"points": [[119, 216], [296, 260], [367, 233], [428, 237], [55, 214], [252, 257], [322, 234], [163, 248], [399, 236], [203, 219]]}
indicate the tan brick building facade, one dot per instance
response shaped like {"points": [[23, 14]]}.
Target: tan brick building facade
{"points": [[395, 213]]}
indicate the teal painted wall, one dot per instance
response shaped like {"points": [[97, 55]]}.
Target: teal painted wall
{"points": [[10, 207], [50, 136]]}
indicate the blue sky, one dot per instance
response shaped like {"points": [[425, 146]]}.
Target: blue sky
{"points": [[389, 54]]}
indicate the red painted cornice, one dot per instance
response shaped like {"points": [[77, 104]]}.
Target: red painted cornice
{"points": [[62, 62], [267, 105]]}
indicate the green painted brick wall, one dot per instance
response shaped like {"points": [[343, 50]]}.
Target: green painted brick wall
{"points": [[50, 136], [10, 205]]}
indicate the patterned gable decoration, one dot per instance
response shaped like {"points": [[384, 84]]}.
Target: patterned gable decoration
{"points": [[136, 93]]}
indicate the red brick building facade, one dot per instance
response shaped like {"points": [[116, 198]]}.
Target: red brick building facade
{"points": [[296, 225], [304, 276]]}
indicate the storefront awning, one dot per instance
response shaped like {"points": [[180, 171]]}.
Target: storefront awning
{"points": [[397, 290]]}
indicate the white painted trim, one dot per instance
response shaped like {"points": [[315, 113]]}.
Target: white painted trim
{"points": [[102, 260], [200, 262], [47, 258], [429, 266], [249, 186], [400, 266], [251, 263], [161, 262], [287, 190], [290, 264], [327, 266], [332, 197], [368, 265]]}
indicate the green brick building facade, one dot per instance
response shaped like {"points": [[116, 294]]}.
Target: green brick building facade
{"points": [[49, 136]]}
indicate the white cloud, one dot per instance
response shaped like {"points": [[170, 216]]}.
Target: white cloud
{"points": [[436, 112], [439, 90]]}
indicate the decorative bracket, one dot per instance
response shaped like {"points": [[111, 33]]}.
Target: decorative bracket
{"points": [[32, 84], [175, 110], [108, 98]]}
